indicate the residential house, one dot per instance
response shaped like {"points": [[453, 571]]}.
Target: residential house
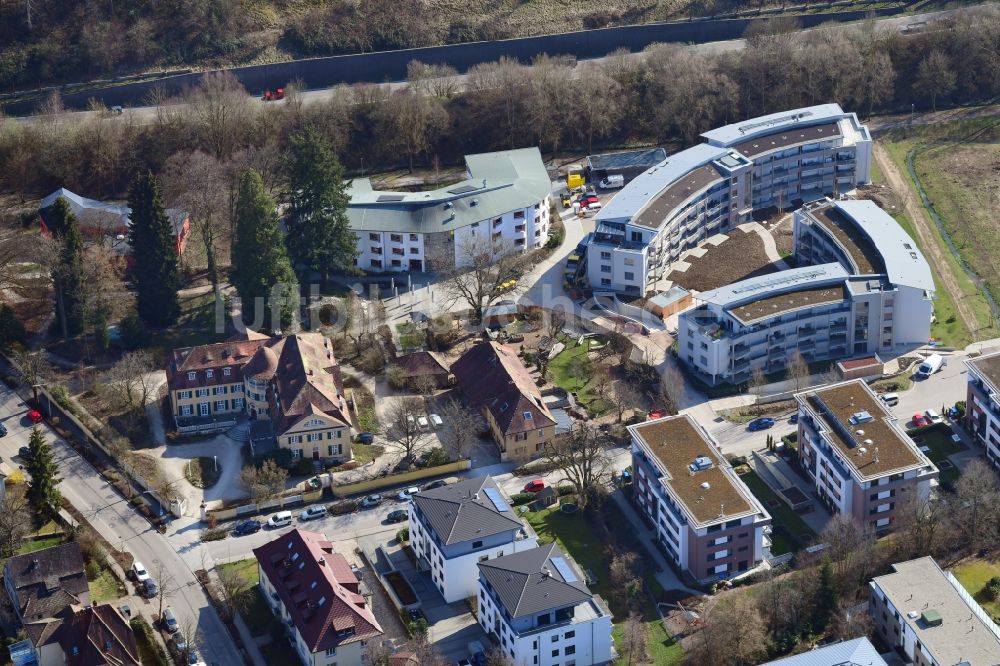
{"points": [[44, 583], [982, 404], [708, 521], [454, 528], [292, 383], [539, 611], [861, 461], [424, 367], [494, 381], [91, 636], [927, 617], [856, 652], [502, 205], [314, 592]]}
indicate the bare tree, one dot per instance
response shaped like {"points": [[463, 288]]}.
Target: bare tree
{"points": [[797, 370], [31, 369], [583, 457], [15, 519], [922, 526], [483, 267], [435, 80], [673, 389], [634, 640], [624, 396], [424, 385], [977, 506], [413, 121], [402, 429], [167, 586], [733, 633], [265, 482], [756, 382], [231, 586], [131, 379], [935, 77], [555, 321], [624, 571], [222, 112], [495, 656], [461, 429]]}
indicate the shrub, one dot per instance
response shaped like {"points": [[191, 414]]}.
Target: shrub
{"points": [[993, 588], [343, 508], [93, 570], [61, 396], [434, 457], [522, 498], [537, 467], [304, 467], [562, 491], [403, 535], [214, 534], [371, 362]]}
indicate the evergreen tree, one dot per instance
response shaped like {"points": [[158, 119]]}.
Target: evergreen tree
{"points": [[69, 280], [155, 260], [43, 495], [319, 235], [11, 328], [260, 262], [57, 217], [826, 597]]}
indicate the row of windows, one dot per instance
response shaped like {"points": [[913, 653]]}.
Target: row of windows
{"points": [[204, 408], [209, 374]]}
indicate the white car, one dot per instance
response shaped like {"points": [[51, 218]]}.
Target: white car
{"points": [[405, 495], [436, 421], [312, 512], [933, 416], [423, 423], [370, 501], [139, 571]]}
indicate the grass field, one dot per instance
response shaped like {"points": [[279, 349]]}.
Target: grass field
{"points": [[576, 537], [958, 164], [104, 588], [250, 602], [202, 472], [32, 545], [937, 438], [974, 574], [570, 370], [789, 531]]}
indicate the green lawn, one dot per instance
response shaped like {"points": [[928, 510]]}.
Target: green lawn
{"points": [[32, 545], [365, 453], [202, 472], [974, 574], [569, 370], [104, 588], [576, 537], [789, 531], [251, 604], [150, 654], [937, 438]]}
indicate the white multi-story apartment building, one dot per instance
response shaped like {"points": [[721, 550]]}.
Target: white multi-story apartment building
{"points": [[982, 405], [541, 613], [502, 206], [454, 528], [862, 287], [861, 461], [780, 160], [929, 619], [707, 519]]}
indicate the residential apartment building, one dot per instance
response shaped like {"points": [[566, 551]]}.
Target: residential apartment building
{"points": [[537, 607], [454, 528], [982, 404], [780, 160], [856, 652], [290, 383], [494, 380], [317, 596], [860, 459], [707, 519], [501, 206], [927, 617], [861, 287]]}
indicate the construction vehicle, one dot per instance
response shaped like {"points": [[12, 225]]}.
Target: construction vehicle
{"points": [[276, 94], [574, 176]]}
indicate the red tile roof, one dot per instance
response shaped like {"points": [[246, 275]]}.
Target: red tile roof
{"points": [[492, 376], [421, 363], [308, 381], [328, 614], [232, 354]]}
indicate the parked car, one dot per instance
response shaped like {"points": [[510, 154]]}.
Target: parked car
{"points": [[794, 418], [24, 452], [126, 611], [435, 419], [423, 423], [35, 416], [3, 430], [179, 642], [280, 519], [933, 416], [534, 486], [440, 483], [763, 423], [364, 438], [919, 420], [312, 513], [477, 655], [405, 495], [169, 621], [246, 527], [139, 571], [193, 657], [370, 501], [397, 516], [149, 589], [613, 182], [463, 662]]}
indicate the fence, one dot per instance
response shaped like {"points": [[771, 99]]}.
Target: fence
{"points": [[277, 503], [391, 65], [396, 479]]}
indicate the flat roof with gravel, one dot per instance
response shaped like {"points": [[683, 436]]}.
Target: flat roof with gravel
{"points": [[866, 257], [660, 208], [786, 302], [784, 138]]}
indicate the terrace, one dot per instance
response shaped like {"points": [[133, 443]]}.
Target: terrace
{"points": [[771, 306]]}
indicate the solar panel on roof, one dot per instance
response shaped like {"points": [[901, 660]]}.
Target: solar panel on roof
{"points": [[384, 198], [497, 500], [564, 569], [462, 189]]}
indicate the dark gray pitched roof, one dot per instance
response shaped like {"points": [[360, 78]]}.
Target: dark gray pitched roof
{"points": [[46, 581], [462, 511], [529, 582]]}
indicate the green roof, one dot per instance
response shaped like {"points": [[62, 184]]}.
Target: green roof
{"points": [[498, 183]]}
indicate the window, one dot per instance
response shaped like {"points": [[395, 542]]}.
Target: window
{"points": [[201, 393], [238, 403], [219, 390], [374, 237], [183, 395], [477, 544], [220, 405], [555, 638], [331, 651], [192, 376], [541, 432], [396, 238], [606, 255], [334, 449], [414, 250], [315, 436], [296, 454], [376, 263], [413, 237], [636, 236], [527, 416], [555, 653], [203, 409], [227, 372], [570, 650], [209, 374], [185, 410], [629, 276], [570, 634], [605, 268], [483, 558], [605, 281]]}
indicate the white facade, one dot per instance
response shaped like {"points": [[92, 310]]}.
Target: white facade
{"points": [[779, 160], [982, 405], [583, 640]]}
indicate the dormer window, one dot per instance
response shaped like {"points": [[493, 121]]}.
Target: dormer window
{"points": [[312, 585], [322, 600], [209, 374], [226, 372], [527, 416], [192, 376]]}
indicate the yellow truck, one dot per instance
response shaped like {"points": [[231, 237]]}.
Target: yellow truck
{"points": [[574, 176]]}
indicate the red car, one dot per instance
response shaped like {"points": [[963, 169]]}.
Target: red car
{"points": [[35, 416], [587, 200], [534, 486], [657, 414], [919, 421]]}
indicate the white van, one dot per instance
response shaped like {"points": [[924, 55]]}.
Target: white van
{"points": [[613, 182], [280, 519], [891, 399]]}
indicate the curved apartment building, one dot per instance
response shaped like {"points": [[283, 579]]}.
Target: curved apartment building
{"points": [[503, 204], [861, 287], [782, 160]]}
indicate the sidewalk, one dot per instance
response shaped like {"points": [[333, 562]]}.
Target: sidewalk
{"points": [[666, 576]]}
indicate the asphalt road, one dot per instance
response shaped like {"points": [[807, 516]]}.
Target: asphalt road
{"points": [[116, 520]]}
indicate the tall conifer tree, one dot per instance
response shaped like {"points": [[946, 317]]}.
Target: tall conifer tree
{"points": [[154, 270]]}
